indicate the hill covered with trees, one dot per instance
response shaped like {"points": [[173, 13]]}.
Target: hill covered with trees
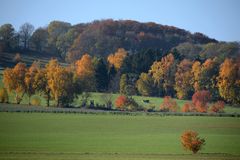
{"points": [[124, 56], [99, 38]]}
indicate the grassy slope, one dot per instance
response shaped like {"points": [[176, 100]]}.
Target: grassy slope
{"points": [[6, 59], [110, 136]]}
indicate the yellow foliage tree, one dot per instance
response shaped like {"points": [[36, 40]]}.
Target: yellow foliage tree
{"points": [[196, 70], [145, 85], [117, 58], [30, 78], [60, 83], [13, 80], [41, 84], [229, 81], [163, 74], [204, 76]]}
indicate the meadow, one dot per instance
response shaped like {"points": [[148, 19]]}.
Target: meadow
{"points": [[79, 136]]}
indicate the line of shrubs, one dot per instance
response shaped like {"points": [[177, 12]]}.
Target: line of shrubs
{"points": [[199, 104], [32, 109]]}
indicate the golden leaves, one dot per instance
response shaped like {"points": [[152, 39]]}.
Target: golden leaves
{"points": [[117, 58]]}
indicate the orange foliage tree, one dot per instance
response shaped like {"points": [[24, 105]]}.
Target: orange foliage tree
{"points": [[229, 81], [217, 107], [183, 78], [200, 100], [85, 71], [169, 104], [117, 59], [13, 80], [121, 102], [191, 141]]}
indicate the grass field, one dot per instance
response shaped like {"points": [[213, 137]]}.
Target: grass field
{"points": [[78, 136]]}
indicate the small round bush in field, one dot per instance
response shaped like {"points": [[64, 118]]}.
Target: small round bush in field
{"points": [[217, 107], [121, 102], [169, 105], [200, 100], [191, 141], [127, 103], [3, 95], [36, 101], [188, 107]]}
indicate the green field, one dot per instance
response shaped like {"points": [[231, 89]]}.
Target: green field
{"points": [[79, 136]]}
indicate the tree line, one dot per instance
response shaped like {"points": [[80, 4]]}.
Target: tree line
{"points": [[174, 77], [169, 76]]}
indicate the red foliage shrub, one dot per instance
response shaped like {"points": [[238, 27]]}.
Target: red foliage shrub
{"points": [[217, 107], [121, 102], [188, 107], [169, 104], [200, 100], [191, 141]]}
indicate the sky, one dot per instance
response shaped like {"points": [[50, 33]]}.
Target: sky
{"points": [[219, 19]]}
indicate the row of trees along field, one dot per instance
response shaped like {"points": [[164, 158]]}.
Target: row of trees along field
{"points": [[174, 77], [100, 38], [170, 76]]}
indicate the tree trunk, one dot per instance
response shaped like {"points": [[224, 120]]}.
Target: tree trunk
{"points": [[17, 99], [48, 98], [57, 102], [25, 44], [29, 97]]}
